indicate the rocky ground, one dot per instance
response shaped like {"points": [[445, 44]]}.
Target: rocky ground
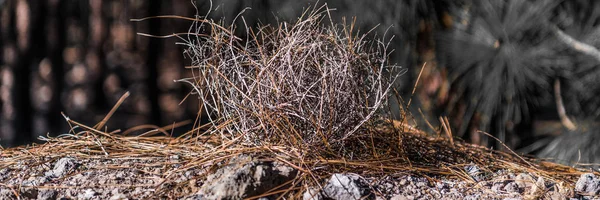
{"points": [[384, 164], [247, 177]]}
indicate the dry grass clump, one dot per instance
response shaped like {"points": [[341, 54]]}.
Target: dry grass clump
{"points": [[301, 83]]}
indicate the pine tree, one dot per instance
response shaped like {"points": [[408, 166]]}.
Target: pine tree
{"points": [[499, 60]]}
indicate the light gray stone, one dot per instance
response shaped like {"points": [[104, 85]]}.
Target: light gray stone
{"points": [[62, 167], [245, 177], [47, 194], [347, 186], [587, 184], [312, 194]]}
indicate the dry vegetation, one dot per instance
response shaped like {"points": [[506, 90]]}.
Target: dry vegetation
{"points": [[299, 84], [309, 94]]}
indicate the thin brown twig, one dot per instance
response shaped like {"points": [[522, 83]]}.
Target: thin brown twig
{"points": [[511, 151], [427, 122], [562, 113], [416, 84], [112, 111]]}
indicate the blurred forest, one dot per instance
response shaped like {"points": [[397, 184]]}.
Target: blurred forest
{"points": [[79, 57]]}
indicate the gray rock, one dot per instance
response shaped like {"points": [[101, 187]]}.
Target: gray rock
{"points": [[6, 193], [399, 197], [312, 194], [346, 186], [475, 173], [35, 181], [498, 186], [587, 184], [512, 187], [46, 194], [29, 193], [87, 194], [244, 177], [194, 197], [473, 197], [524, 181], [4, 173], [62, 167], [118, 197], [539, 186]]}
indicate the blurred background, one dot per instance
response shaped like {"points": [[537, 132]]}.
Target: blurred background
{"points": [[491, 65], [79, 57]]}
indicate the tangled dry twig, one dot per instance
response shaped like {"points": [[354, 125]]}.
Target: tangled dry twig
{"points": [[315, 84]]}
